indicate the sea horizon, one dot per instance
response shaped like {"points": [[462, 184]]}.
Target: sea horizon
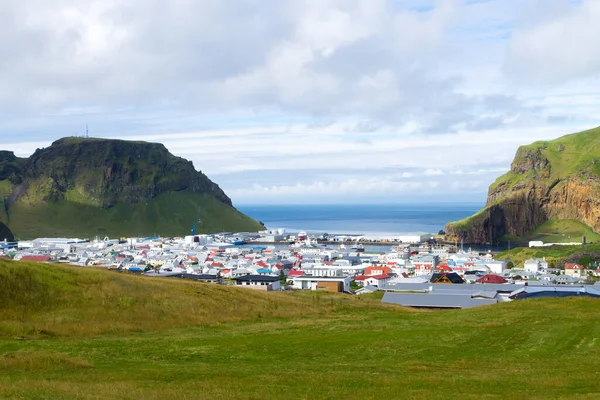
{"points": [[368, 219]]}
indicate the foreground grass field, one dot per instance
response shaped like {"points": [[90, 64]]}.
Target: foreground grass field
{"points": [[96, 335]]}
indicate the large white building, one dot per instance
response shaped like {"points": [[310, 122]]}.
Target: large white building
{"points": [[414, 238], [535, 265], [496, 266], [320, 282]]}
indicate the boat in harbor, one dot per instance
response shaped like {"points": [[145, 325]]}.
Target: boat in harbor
{"points": [[301, 236], [358, 247]]}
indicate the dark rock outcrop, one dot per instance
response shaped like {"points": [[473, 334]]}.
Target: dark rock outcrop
{"points": [[5, 233]]}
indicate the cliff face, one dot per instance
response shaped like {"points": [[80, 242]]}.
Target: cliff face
{"points": [[113, 187], [5, 233], [558, 179]]}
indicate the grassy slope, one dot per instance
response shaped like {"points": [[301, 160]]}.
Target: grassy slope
{"points": [[568, 155], [553, 254], [161, 340], [562, 231], [169, 214], [468, 222]]}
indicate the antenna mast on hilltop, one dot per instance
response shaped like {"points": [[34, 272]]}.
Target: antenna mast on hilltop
{"points": [[87, 131]]}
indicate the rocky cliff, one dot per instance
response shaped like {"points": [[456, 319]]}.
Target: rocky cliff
{"points": [[88, 186], [5, 233], [550, 180]]}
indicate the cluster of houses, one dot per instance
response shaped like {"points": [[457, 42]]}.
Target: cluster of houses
{"points": [[417, 275]]}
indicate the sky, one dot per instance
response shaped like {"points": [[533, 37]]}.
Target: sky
{"points": [[307, 101]]}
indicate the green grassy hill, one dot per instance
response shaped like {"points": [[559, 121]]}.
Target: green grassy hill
{"points": [[168, 214], [558, 231], [69, 332], [577, 154], [555, 255], [551, 191], [85, 187]]}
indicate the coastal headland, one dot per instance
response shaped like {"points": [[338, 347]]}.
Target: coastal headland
{"points": [[551, 193]]}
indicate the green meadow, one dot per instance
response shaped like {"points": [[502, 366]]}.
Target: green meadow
{"points": [[75, 333]]}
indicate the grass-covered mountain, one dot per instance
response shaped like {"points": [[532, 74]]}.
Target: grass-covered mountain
{"points": [[552, 190], [85, 187]]}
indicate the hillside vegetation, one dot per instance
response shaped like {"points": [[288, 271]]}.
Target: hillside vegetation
{"points": [[93, 334], [557, 255], [55, 300], [168, 214], [86, 186], [549, 181]]}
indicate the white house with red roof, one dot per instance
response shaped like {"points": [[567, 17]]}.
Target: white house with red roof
{"points": [[377, 270], [377, 280], [575, 270], [372, 280], [424, 265], [295, 272], [443, 267]]}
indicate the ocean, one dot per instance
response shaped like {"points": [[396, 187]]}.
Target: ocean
{"points": [[361, 219]]}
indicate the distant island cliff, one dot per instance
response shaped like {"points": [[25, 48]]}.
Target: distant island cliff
{"points": [[88, 186], [548, 181]]}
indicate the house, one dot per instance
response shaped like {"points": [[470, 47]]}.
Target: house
{"points": [[260, 282], [424, 265], [377, 270], [323, 271], [535, 265], [451, 277], [360, 280], [376, 280], [329, 283], [443, 267], [575, 270], [491, 278], [565, 280], [496, 266]]}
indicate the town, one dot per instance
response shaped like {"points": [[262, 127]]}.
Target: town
{"points": [[413, 270]]}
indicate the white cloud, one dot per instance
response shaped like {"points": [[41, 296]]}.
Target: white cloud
{"points": [[326, 97], [350, 190], [561, 47], [431, 171]]}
